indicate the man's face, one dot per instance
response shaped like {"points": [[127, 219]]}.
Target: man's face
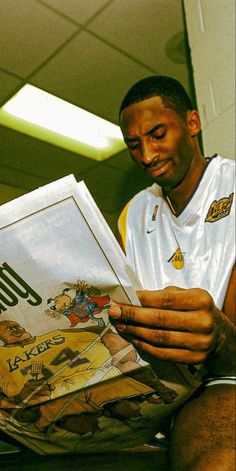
{"points": [[159, 140], [12, 333]]}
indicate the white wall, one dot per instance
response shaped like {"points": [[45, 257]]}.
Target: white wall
{"points": [[211, 33]]}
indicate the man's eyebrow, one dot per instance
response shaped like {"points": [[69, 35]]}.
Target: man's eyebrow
{"points": [[155, 128], [150, 131], [131, 139]]}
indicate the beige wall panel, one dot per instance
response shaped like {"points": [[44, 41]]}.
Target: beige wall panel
{"points": [[219, 135], [211, 32]]}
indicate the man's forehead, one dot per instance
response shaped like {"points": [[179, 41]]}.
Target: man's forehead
{"points": [[145, 115], [152, 103]]}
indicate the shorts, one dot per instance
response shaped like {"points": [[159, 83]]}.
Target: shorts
{"points": [[219, 380]]}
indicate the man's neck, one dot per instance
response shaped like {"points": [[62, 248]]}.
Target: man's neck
{"points": [[178, 197]]}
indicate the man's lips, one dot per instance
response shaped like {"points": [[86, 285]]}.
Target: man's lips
{"points": [[159, 168]]}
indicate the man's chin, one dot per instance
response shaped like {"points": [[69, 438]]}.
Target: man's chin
{"points": [[164, 181]]}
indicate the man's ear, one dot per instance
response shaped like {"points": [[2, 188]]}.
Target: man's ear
{"points": [[194, 122]]}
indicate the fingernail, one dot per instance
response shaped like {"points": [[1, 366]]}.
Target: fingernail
{"points": [[121, 327], [115, 312]]}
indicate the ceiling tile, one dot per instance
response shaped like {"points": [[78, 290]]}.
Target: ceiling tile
{"points": [[143, 29], [112, 218], [123, 162], [8, 193], [92, 75], [112, 188], [8, 85], [106, 182], [35, 162], [29, 35], [20, 178], [78, 10]]}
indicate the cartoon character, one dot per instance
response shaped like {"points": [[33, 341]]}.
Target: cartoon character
{"points": [[12, 333], [49, 362], [84, 306]]}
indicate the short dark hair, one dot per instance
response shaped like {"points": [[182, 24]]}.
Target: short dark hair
{"points": [[170, 90]]}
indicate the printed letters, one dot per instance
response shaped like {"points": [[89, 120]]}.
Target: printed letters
{"points": [[12, 287]]}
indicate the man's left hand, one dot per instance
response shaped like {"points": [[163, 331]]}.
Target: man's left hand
{"points": [[181, 325]]}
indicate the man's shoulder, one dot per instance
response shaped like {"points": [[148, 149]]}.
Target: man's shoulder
{"points": [[138, 204], [219, 161], [151, 192], [221, 173], [142, 196]]}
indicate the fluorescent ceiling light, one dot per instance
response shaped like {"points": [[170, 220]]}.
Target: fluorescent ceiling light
{"points": [[46, 117]]}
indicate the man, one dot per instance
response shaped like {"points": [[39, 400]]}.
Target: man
{"points": [[178, 236]]}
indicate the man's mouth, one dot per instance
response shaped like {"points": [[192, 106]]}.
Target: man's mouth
{"points": [[158, 169]]}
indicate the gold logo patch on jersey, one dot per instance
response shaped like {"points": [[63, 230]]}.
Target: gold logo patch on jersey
{"points": [[177, 259], [219, 209], [154, 215]]}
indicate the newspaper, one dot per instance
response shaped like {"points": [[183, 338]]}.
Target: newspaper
{"points": [[68, 381]]}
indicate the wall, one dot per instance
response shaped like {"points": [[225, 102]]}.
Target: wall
{"points": [[211, 34]]}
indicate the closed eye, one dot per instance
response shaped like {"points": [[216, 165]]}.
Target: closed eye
{"points": [[158, 135], [132, 145]]}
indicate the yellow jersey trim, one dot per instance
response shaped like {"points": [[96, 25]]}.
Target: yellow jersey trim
{"points": [[122, 224]]}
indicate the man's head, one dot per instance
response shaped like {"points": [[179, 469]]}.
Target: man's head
{"points": [[171, 92], [160, 128]]}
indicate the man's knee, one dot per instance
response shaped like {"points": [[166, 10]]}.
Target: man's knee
{"points": [[222, 459], [203, 432]]}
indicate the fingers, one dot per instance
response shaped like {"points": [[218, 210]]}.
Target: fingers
{"points": [[172, 354], [167, 338], [191, 321], [177, 299]]}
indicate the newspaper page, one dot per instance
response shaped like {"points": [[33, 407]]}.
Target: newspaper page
{"points": [[68, 381]]}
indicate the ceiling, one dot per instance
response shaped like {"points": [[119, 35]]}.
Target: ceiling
{"points": [[88, 52]]}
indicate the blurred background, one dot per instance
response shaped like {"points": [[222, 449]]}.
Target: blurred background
{"points": [[89, 52]]}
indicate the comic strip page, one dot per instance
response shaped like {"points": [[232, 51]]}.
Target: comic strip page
{"points": [[68, 380]]}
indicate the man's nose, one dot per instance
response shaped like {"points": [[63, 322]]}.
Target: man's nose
{"points": [[148, 153]]}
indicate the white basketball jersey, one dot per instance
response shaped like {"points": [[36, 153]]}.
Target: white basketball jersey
{"points": [[195, 249]]}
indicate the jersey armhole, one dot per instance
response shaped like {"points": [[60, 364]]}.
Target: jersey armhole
{"points": [[122, 224]]}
